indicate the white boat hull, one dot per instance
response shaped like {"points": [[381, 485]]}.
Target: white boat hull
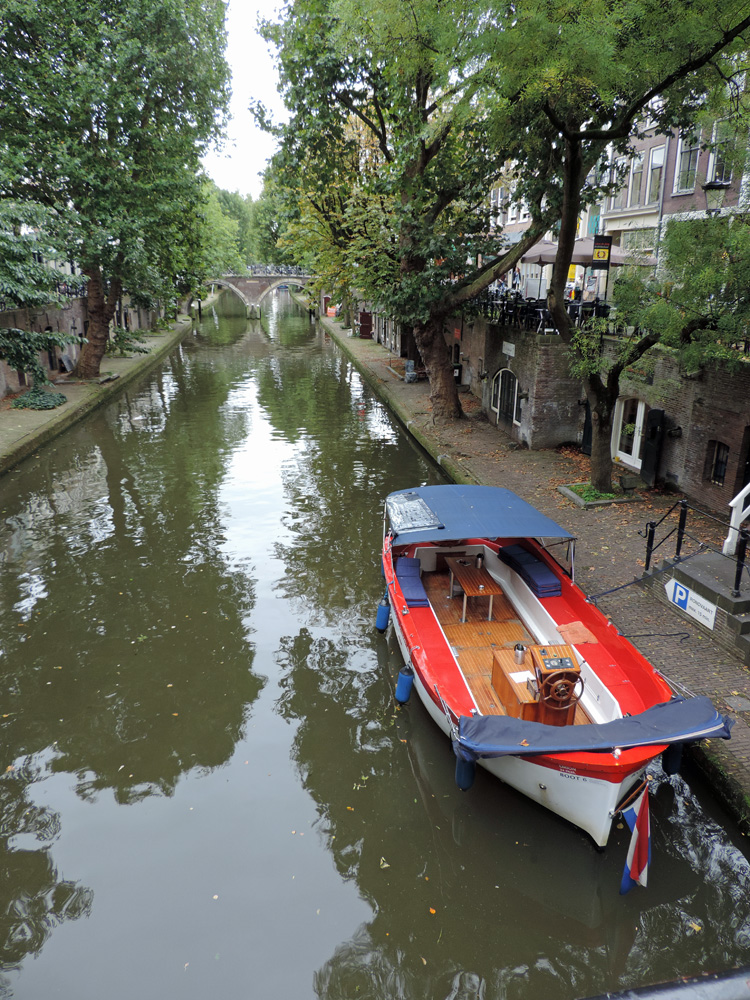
{"points": [[587, 802]]}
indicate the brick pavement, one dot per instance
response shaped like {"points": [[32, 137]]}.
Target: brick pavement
{"points": [[609, 552]]}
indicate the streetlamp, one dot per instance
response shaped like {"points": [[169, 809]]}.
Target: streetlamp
{"points": [[714, 192]]}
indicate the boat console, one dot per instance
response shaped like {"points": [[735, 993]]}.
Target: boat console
{"points": [[545, 687]]}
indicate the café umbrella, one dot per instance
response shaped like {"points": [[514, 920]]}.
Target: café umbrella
{"points": [[545, 252]]}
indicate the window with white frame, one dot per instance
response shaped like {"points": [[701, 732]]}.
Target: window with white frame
{"points": [[719, 160], [652, 111], [495, 219], [504, 400], [655, 170], [620, 197], [628, 431], [688, 152], [636, 180]]}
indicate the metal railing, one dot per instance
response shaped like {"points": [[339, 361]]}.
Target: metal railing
{"points": [[278, 270], [681, 532]]}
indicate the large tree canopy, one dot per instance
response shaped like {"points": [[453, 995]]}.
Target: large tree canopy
{"points": [[105, 111], [389, 138], [700, 305], [419, 108], [607, 74]]}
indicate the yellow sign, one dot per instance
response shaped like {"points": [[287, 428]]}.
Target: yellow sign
{"points": [[601, 254]]}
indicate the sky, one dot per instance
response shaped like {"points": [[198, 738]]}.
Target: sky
{"points": [[246, 149]]}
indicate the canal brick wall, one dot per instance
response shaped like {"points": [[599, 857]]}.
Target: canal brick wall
{"points": [[610, 554], [23, 431]]}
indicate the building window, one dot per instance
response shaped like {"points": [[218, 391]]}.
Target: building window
{"points": [[717, 460], [620, 197], [636, 181], [719, 161], [638, 241], [495, 212], [655, 169], [687, 163]]}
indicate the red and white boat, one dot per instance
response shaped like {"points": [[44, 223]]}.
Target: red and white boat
{"points": [[526, 676]]}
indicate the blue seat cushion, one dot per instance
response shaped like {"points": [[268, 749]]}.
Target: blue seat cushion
{"points": [[413, 590], [406, 566], [540, 579]]}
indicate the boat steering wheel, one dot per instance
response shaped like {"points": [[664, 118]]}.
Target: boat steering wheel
{"points": [[559, 689]]}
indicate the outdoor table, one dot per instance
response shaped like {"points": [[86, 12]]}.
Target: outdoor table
{"points": [[475, 582]]}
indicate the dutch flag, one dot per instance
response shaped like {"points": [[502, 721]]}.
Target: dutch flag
{"points": [[639, 852]]}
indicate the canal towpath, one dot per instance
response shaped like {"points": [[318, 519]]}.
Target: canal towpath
{"points": [[610, 547], [24, 431]]}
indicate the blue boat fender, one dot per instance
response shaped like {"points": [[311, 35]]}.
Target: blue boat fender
{"points": [[404, 685], [465, 773], [383, 615]]}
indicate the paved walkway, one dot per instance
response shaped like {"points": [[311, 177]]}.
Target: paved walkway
{"points": [[610, 552]]}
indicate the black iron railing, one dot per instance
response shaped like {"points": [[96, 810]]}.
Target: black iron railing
{"points": [[680, 531]]}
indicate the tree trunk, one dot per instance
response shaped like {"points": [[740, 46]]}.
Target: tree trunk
{"points": [[101, 310], [429, 338], [601, 439]]}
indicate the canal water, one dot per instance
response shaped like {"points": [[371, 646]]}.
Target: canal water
{"points": [[207, 788]]}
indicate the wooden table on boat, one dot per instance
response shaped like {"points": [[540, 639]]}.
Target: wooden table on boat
{"points": [[474, 581]]}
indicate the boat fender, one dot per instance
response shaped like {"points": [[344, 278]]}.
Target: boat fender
{"points": [[465, 773], [672, 758], [383, 615], [404, 685]]}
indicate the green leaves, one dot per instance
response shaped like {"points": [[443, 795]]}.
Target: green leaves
{"points": [[24, 244], [700, 306], [21, 350], [106, 110]]}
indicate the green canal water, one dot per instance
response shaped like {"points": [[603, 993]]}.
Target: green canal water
{"points": [[207, 789]]}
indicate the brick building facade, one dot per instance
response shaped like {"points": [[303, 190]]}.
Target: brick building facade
{"points": [[702, 418], [70, 317]]}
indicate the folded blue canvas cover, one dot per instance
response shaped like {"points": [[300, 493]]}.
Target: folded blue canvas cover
{"points": [[441, 513], [682, 720]]}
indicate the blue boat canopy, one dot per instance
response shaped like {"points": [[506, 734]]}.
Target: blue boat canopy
{"points": [[682, 720], [434, 513]]}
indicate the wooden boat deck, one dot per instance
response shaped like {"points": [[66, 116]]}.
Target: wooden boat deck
{"points": [[474, 641]]}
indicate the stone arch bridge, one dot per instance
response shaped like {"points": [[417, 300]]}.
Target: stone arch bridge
{"points": [[253, 288]]}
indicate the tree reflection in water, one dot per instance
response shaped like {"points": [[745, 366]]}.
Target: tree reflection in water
{"points": [[34, 897], [123, 618]]}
